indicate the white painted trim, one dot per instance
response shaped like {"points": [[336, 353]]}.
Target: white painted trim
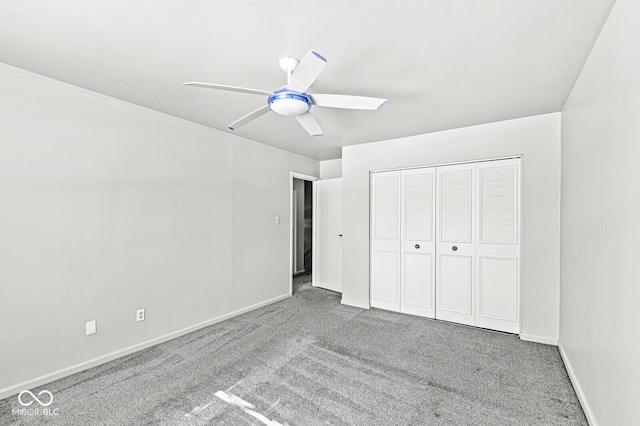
{"points": [[47, 378], [538, 339], [355, 305], [301, 271], [294, 229], [314, 231], [509, 157], [302, 176], [576, 386]]}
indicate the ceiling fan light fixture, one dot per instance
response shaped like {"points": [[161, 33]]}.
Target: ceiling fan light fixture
{"points": [[289, 103], [293, 100]]}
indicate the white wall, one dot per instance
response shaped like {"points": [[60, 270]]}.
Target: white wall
{"points": [[108, 207], [537, 138], [330, 169], [600, 285]]}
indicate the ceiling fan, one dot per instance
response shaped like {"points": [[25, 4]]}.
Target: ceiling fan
{"points": [[292, 99]]}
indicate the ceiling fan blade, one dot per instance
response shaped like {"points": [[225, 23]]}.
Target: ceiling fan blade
{"points": [[310, 124], [228, 88], [249, 117], [306, 72], [347, 101]]}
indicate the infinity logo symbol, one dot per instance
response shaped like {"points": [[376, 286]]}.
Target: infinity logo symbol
{"points": [[35, 398]]}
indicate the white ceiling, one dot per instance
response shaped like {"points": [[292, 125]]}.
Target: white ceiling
{"points": [[442, 64]]}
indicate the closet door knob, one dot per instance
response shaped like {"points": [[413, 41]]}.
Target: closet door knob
{"points": [[454, 248], [417, 246]]}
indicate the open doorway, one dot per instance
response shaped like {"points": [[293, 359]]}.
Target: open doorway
{"points": [[301, 231]]}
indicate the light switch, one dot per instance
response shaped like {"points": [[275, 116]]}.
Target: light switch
{"points": [[90, 327], [277, 220]]}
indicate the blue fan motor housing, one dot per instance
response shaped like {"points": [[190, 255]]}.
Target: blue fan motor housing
{"points": [[289, 103]]}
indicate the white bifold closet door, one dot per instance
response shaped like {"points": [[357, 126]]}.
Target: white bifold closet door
{"points": [[385, 240], [417, 242], [498, 245], [445, 243], [403, 241], [478, 244], [455, 248]]}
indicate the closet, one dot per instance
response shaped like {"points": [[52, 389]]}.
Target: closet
{"points": [[445, 242]]}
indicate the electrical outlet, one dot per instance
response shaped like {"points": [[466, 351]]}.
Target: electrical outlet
{"points": [[90, 327], [140, 315]]}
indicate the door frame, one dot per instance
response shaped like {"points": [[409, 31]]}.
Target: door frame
{"points": [[296, 175], [448, 163], [294, 230], [521, 179]]}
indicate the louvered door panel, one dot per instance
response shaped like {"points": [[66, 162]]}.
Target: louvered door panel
{"points": [[418, 204], [386, 206], [498, 204], [455, 248], [498, 249], [455, 205], [385, 240], [417, 275]]}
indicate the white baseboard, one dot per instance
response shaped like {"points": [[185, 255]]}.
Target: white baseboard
{"points": [[576, 386], [47, 378], [356, 305], [538, 339], [300, 272]]}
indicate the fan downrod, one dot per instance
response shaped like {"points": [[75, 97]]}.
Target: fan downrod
{"points": [[288, 64]]}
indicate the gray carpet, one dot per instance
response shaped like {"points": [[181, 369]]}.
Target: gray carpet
{"points": [[309, 360]]}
